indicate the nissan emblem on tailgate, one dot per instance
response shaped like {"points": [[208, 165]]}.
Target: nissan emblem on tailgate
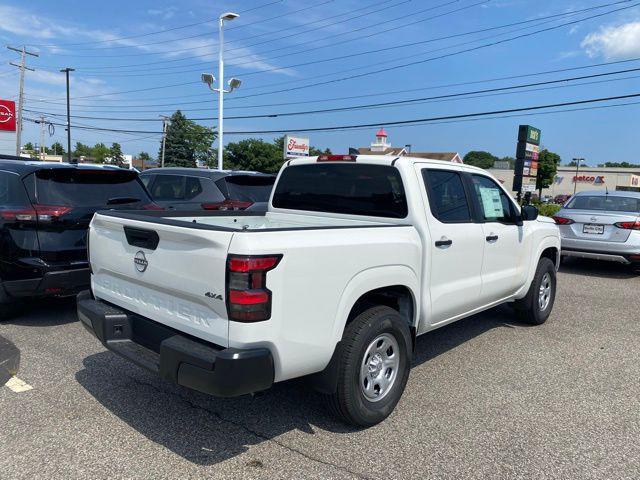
{"points": [[140, 261]]}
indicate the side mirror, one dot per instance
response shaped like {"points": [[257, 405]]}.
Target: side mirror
{"points": [[529, 212]]}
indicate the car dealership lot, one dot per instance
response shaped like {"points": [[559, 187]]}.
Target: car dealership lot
{"points": [[487, 398]]}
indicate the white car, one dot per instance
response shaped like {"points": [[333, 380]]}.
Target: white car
{"points": [[355, 257]]}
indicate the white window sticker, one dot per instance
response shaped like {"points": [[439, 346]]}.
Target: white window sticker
{"points": [[491, 202]]}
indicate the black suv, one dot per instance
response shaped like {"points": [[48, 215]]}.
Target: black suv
{"points": [[196, 189], [45, 209]]}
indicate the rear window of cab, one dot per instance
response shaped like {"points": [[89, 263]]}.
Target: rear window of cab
{"points": [[344, 188]]}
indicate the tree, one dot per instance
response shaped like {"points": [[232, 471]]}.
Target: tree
{"points": [[57, 149], [144, 158], [620, 165], [186, 142], [480, 159], [81, 150], [100, 152], [547, 169], [28, 147], [116, 156], [253, 154], [258, 155]]}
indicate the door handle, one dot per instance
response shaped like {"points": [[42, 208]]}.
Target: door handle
{"points": [[492, 238], [444, 243]]}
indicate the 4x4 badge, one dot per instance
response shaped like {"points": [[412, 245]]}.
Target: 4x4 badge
{"points": [[215, 296], [140, 261]]}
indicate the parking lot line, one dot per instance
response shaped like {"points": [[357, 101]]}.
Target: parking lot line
{"points": [[18, 386]]}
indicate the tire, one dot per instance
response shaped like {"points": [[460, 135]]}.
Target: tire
{"points": [[366, 338], [535, 308]]}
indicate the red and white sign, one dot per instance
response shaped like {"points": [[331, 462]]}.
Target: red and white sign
{"points": [[599, 179], [7, 116], [296, 146]]}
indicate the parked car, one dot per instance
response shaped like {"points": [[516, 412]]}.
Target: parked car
{"points": [[602, 226], [45, 209], [354, 258], [561, 199], [196, 189]]}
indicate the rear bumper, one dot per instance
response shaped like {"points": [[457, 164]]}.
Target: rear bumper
{"points": [[621, 252], [179, 358], [59, 283]]}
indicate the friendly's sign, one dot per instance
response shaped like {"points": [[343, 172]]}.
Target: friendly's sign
{"points": [[7, 116], [295, 146]]}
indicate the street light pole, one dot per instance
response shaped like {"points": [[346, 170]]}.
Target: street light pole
{"points": [[225, 16], [66, 72]]}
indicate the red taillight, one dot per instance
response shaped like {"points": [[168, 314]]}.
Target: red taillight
{"points": [[227, 205], [248, 298], [151, 206], [628, 225], [250, 264], [562, 220], [41, 213], [336, 158]]}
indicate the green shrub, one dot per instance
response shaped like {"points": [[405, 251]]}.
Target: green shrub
{"points": [[549, 210]]}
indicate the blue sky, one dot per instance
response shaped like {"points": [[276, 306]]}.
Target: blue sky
{"points": [[114, 47]]}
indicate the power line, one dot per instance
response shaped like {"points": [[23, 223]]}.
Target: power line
{"points": [[371, 105], [62, 45], [353, 97], [328, 19], [430, 59], [386, 122], [163, 71], [368, 73]]}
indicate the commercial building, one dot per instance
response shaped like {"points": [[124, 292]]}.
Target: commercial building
{"points": [[381, 146], [587, 178]]}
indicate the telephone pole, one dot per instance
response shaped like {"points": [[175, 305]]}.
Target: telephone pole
{"points": [[66, 72], [22, 66], [165, 121], [43, 151]]}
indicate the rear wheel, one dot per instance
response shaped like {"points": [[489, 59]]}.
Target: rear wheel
{"points": [[373, 368], [536, 307]]}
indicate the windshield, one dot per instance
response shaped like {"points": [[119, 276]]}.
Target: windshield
{"points": [[353, 189], [88, 188], [609, 203], [249, 188]]}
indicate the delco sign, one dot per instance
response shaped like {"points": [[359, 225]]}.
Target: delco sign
{"points": [[598, 180], [295, 146], [7, 116]]}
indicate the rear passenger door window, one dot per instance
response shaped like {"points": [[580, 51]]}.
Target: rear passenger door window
{"points": [[168, 187], [447, 196]]}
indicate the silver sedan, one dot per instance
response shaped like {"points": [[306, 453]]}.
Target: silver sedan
{"points": [[601, 226]]}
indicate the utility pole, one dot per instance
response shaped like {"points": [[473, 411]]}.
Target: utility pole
{"points": [[43, 151], [165, 120], [22, 67], [66, 72]]}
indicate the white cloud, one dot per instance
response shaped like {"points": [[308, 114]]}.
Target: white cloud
{"points": [[622, 41], [165, 13]]}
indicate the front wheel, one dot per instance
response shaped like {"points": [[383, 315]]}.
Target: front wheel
{"points": [[374, 367], [536, 307]]}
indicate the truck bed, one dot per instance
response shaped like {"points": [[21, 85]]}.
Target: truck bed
{"points": [[244, 221]]}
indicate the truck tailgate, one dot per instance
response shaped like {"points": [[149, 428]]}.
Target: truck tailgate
{"points": [[180, 282]]}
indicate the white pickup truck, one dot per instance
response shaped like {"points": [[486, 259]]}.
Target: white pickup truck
{"points": [[355, 257]]}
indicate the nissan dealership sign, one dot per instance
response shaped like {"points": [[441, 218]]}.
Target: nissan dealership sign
{"points": [[7, 116], [295, 146]]}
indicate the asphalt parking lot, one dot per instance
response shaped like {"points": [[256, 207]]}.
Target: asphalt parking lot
{"points": [[487, 398]]}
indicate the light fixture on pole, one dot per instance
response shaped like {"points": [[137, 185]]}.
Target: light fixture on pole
{"points": [[209, 79]]}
